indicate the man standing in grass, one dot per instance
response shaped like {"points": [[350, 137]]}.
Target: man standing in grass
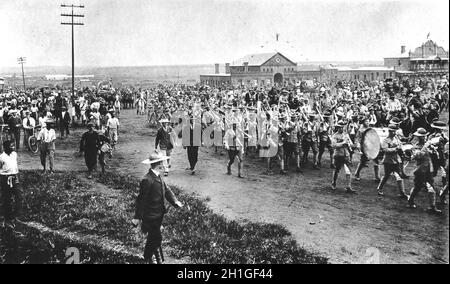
{"points": [[9, 184], [89, 144], [150, 207], [46, 139]]}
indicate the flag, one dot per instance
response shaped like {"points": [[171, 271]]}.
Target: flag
{"points": [[428, 35], [277, 35]]}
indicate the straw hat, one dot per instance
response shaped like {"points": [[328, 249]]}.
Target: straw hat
{"points": [[393, 127], [340, 123], [421, 132], [155, 157], [439, 125]]}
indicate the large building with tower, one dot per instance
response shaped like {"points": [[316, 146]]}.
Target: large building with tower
{"points": [[429, 59], [264, 69]]}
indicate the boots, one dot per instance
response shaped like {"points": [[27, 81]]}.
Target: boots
{"points": [[158, 256], [239, 170], [401, 190], [443, 193], [402, 171], [331, 160], [282, 171], [299, 170], [349, 184], [333, 183], [376, 170], [432, 199], [412, 196], [381, 185], [358, 172], [316, 167]]}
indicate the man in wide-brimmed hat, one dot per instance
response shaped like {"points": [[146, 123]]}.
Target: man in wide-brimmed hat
{"points": [[363, 159], [89, 145], [325, 131], [46, 139], [341, 143], [65, 122], [15, 123], [164, 141], [423, 177], [150, 206], [392, 161], [234, 143], [28, 124], [310, 139]]}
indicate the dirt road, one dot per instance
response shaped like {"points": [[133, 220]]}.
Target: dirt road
{"points": [[346, 228]]}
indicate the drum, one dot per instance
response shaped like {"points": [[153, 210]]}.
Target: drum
{"points": [[105, 148], [383, 132], [432, 116], [370, 143], [407, 150]]}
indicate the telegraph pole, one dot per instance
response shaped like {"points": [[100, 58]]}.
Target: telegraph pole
{"points": [[21, 61], [72, 24]]}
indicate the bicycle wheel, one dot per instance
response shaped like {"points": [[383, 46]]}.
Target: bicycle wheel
{"points": [[33, 144]]}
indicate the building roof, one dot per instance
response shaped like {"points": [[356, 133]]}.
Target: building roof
{"points": [[368, 68], [254, 59], [429, 58], [401, 55], [216, 75]]}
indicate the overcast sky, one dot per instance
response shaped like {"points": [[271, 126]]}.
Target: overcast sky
{"points": [[154, 32]]}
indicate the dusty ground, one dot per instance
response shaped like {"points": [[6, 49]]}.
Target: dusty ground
{"points": [[346, 228]]}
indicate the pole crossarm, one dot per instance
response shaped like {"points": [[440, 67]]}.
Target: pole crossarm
{"points": [[72, 6], [72, 24], [74, 15]]}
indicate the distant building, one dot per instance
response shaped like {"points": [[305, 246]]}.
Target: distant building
{"points": [[66, 77], [429, 59], [265, 69]]}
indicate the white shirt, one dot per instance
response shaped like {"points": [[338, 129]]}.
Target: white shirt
{"points": [[113, 123], [46, 135], [32, 123], [155, 172], [8, 164]]}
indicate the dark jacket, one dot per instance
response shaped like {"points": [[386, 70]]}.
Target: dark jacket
{"points": [[163, 139], [150, 204], [66, 118]]}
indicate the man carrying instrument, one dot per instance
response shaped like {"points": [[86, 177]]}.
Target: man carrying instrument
{"points": [[364, 159], [341, 143], [423, 178], [233, 144], [391, 161], [282, 139], [310, 129], [292, 144], [325, 130], [438, 139]]}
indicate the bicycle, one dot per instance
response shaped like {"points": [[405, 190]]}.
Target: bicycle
{"points": [[33, 141]]}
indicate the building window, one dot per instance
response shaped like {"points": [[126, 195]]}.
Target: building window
{"points": [[399, 63], [390, 74], [384, 76]]}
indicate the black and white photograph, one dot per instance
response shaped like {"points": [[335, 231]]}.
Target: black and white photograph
{"points": [[224, 132]]}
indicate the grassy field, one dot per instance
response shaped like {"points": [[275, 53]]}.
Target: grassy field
{"points": [[68, 203]]}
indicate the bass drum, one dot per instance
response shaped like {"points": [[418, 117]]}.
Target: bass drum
{"points": [[432, 116], [371, 143]]}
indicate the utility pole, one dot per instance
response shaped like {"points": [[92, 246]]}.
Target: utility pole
{"points": [[72, 23], [21, 61]]}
